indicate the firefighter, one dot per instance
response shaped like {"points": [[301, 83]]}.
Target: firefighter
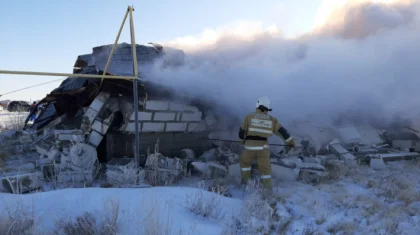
{"points": [[254, 131]]}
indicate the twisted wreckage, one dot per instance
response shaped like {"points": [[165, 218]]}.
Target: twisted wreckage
{"points": [[85, 122]]}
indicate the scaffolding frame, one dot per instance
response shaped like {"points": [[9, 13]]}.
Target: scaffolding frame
{"points": [[134, 78]]}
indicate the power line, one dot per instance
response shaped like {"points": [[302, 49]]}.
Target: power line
{"points": [[40, 84]]}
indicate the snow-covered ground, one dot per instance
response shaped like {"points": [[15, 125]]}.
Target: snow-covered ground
{"points": [[364, 201], [12, 120]]}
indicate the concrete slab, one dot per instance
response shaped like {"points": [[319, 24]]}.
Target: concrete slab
{"points": [[153, 127], [197, 127], [157, 105], [377, 164], [349, 134], [175, 126], [100, 127], [160, 116], [191, 117], [95, 138], [283, 173], [341, 152], [143, 116]]}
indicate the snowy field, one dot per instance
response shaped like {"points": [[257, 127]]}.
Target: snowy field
{"points": [[351, 201], [12, 120]]}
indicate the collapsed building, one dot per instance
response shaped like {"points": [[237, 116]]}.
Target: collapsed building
{"points": [[103, 113], [84, 122]]}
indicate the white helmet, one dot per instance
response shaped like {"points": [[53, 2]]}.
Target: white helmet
{"points": [[264, 101]]}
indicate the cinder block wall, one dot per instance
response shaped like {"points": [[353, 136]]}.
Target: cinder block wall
{"points": [[167, 116]]}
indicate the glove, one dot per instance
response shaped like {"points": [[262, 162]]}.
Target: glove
{"points": [[291, 143]]}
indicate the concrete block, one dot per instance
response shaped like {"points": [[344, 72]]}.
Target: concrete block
{"points": [[153, 127], [100, 127], [70, 137], [131, 127], [192, 117], [284, 173], [176, 126], [91, 114], [197, 127], [377, 163], [175, 106], [164, 116], [316, 160], [290, 162], [95, 138], [341, 152], [217, 170], [97, 104], [143, 116], [42, 150], [234, 170], [311, 166], [178, 117], [349, 134], [102, 96], [157, 105], [191, 108], [402, 144]]}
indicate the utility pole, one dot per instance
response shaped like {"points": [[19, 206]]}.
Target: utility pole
{"points": [[135, 89]]}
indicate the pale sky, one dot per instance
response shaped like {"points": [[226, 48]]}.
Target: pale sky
{"points": [[48, 36]]}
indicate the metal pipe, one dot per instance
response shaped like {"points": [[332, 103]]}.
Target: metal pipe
{"points": [[236, 141], [115, 43], [135, 89], [66, 75]]}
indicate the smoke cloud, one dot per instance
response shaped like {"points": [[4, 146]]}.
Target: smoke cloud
{"points": [[362, 61]]}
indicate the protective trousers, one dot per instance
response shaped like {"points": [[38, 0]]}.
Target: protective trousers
{"points": [[262, 157]]}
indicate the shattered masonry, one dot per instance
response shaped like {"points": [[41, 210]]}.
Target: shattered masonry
{"points": [[85, 122]]}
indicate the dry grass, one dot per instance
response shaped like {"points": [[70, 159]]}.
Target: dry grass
{"points": [[20, 220], [399, 187], [311, 230], [88, 224], [207, 206], [84, 224], [345, 228], [259, 216], [336, 171], [126, 176], [155, 174]]}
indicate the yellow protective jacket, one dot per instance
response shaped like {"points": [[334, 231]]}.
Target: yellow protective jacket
{"points": [[257, 127]]}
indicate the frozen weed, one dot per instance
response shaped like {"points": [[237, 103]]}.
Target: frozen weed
{"points": [[345, 228], [205, 206], [128, 175], [88, 224], [408, 196], [19, 219], [259, 216], [311, 230], [336, 171], [84, 224], [111, 217], [321, 219], [392, 227]]}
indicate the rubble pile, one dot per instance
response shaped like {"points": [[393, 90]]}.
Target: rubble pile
{"points": [[337, 146]]}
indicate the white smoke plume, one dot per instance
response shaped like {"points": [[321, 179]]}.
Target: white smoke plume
{"points": [[364, 57]]}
